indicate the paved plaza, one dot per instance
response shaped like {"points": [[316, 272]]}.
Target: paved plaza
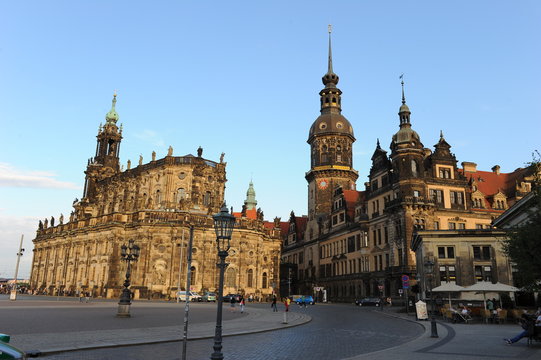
{"points": [[64, 328]]}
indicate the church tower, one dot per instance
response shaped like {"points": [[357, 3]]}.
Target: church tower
{"points": [[106, 161], [250, 203], [331, 144], [407, 150]]}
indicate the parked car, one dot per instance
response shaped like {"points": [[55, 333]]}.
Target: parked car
{"points": [[9, 352], [227, 298], [193, 296], [368, 301], [307, 299], [209, 296]]}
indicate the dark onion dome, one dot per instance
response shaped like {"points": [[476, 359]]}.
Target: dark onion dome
{"points": [[331, 124]]}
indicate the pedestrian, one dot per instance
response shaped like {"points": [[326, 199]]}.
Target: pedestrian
{"points": [[273, 304], [525, 321], [233, 301], [242, 304], [303, 302], [287, 301], [251, 298]]}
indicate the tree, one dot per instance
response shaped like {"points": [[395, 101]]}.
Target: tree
{"points": [[523, 243]]}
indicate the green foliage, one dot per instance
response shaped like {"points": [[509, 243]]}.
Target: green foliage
{"points": [[507, 303], [523, 243]]}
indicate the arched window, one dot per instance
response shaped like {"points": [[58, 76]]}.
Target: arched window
{"points": [[250, 280], [264, 281], [231, 277], [414, 169], [158, 197], [206, 199], [193, 275], [181, 194]]}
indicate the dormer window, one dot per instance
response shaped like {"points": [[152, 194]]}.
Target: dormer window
{"points": [[445, 173]]}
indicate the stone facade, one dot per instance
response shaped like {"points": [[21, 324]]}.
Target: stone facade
{"points": [[154, 204], [359, 242]]}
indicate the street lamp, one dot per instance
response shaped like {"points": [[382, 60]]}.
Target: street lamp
{"points": [[223, 225], [129, 253], [429, 271]]}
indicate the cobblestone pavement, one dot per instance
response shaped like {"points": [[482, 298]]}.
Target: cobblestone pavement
{"points": [[335, 332], [39, 314]]}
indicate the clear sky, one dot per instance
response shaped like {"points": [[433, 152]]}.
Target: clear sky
{"points": [[243, 78]]}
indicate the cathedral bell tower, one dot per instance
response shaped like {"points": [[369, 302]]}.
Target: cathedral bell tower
{"points": [[106, 161], [331, 143], [407, 150]]}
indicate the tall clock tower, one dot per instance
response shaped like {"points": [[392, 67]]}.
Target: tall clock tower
{"points": [[331, 143]]}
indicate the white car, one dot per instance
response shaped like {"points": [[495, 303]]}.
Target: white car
{"points": [[193, 296]]}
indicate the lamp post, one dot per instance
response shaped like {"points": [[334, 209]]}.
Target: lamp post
{"points": [[429, 271], [129, 254], [13, 294], [223, 225]]}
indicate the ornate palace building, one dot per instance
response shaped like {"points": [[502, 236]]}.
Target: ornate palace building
{"points": [[154, 204], [358, 243]]}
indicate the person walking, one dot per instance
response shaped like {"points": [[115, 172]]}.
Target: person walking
{"points": [[233, 301], [242, 303], [273, 304]]}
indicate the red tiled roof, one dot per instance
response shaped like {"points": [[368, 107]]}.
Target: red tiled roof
{"points": [[352, 197], [490, 183], [250, 214]]}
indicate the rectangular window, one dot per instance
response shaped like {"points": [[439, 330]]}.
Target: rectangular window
{"points": [[437, 196], [351, 244], [379, 236], [301, 258], [457, 197], [375, 263], [386, 260], [481, 253], [443, 274], [450, 252], [416, 193], [380, 262], [461, 226], [386, 235], [358, 241], [436, 225], [441, 252], [452, 226], [342, 217]]}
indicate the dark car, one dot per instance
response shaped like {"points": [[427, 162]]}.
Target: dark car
{"points": [[227, 298], [368, 301]]}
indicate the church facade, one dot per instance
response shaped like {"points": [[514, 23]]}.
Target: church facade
{"points": [[358, 243], [155, 204]]}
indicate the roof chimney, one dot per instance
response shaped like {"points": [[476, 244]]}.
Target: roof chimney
{"points": [[496, 169], [469, 166]]}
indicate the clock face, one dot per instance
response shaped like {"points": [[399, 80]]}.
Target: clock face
{"points": [[323, 184]]}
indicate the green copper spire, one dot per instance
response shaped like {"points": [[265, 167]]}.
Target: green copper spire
{"points": [[250, 201], [112, 116]]}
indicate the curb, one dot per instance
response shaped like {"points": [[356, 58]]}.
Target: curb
{"points": [[303, 319]]}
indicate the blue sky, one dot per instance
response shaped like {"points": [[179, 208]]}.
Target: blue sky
{"points": [[243, 78]]}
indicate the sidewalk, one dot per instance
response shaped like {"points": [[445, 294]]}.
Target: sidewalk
{"points": [[256, 320], [458, 341]]}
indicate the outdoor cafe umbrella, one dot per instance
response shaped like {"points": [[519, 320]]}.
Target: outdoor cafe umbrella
{"points": [[485, 286], [448, 287]]}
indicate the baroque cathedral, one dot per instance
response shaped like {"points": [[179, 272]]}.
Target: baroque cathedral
{"points": [[155, 204], [355, 243]]}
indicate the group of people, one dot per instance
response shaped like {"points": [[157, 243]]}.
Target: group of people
{"points": [[241, 301]]}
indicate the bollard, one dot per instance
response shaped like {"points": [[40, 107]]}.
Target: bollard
{"points": [[285, 318]]}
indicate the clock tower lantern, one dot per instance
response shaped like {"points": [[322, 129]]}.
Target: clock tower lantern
{"points": [[331, 143]]}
